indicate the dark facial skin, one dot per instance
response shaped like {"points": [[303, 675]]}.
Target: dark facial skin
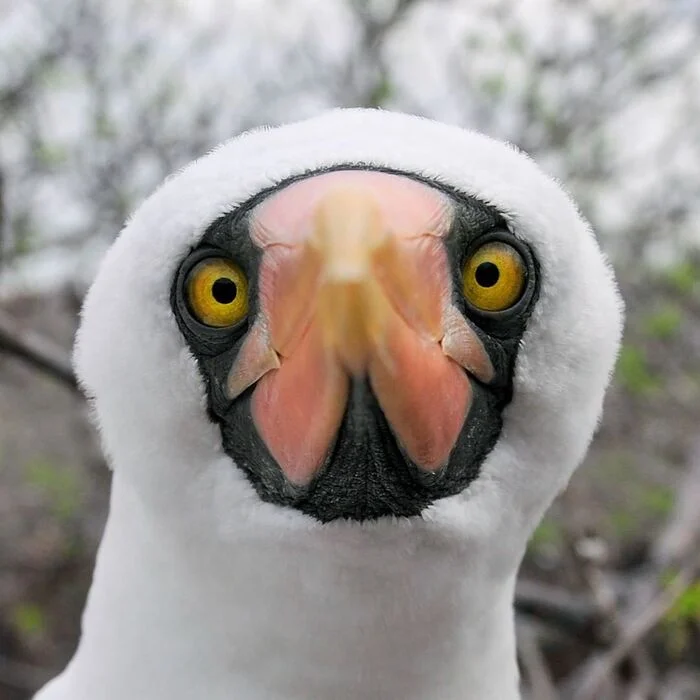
{"points": [[366, 474]]}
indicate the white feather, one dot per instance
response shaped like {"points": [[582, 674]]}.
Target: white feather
{"points": [[203, 591]]}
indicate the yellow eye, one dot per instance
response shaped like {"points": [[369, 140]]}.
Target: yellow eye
{"points": [[494, 277], [217, 292]]}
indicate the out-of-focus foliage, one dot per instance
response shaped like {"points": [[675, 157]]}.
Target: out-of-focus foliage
{"points": [[100, 100]]}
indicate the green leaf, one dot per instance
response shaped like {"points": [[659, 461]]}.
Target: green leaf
{"points": [[687, 605], [515, 41], [663, 323], [104, 127], [547, 535], [622, 521], [685, 612], [25, 235], [660, 500], [684, 277], [50, 155], [28, 619], [59, 485], [381, 92], [633, 371], [494, 85]]}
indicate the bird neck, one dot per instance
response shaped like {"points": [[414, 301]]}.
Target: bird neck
{"points": [[171, 616]]}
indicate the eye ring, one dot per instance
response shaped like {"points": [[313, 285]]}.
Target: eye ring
{"points": [[216, 292], [496, 275]]}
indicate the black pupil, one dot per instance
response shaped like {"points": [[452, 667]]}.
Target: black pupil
{"points": [[487, 274], [224, 290]]}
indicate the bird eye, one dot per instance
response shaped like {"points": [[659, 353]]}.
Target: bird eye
{"points": [[494, 277], [217, 292]]}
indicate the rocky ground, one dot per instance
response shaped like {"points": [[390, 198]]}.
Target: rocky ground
{"points": [[612, 546]]}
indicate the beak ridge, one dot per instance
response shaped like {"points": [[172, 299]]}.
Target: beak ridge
{"points": [[354, 313]]}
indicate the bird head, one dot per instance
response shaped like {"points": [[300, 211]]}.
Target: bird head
{"points": [[361, 317]]}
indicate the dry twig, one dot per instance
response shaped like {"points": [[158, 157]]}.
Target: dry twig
{"points": [[675, 546], [38, 351], [603, 665], [540, 681]]}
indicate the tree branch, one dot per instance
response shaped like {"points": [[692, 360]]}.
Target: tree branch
{"points": [[2, 217], [36, 350], [600, 667], [19, 676], [575, 614]]}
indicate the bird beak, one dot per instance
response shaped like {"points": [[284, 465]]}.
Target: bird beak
{"points": [[354, 248], [355, 300]]}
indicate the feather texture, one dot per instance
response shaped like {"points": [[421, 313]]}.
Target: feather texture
{"points": [[203, 591]]}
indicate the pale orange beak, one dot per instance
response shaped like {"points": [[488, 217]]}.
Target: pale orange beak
{"points": [[355, 289], [357, 255]]}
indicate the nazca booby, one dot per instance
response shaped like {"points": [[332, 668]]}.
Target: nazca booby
{"points": [[340, 369]]}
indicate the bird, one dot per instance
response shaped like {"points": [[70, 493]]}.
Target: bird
{"points": [[340, 369]]}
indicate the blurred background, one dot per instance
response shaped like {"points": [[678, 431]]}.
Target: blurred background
{"points": [[100, 100]]}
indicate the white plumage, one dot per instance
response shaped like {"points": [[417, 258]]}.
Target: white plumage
{"points": [[201, 590]]}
